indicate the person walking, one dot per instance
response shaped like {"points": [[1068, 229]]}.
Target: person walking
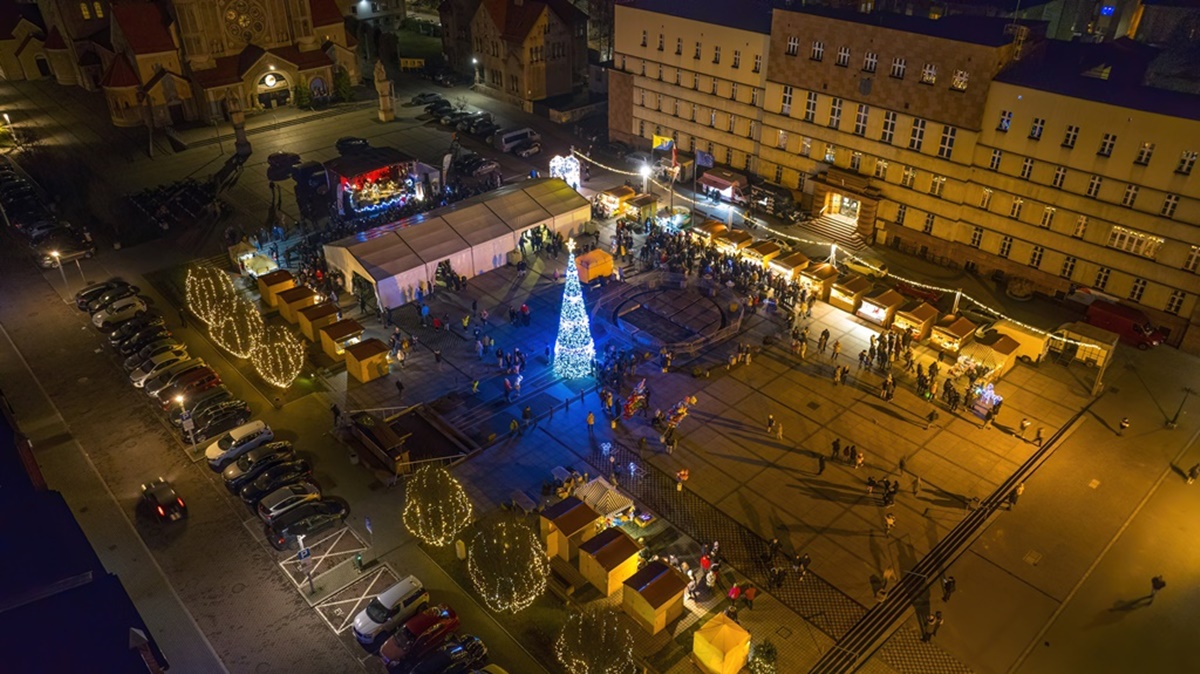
{"points": [[400, 389], [837, 448], [1025, 423], [778, 431], [591, 423], [770, 423], [889, 523], [735, 592], [1193, 473], [1016, 494], [1122, 426], [820, 465], [748, 596], [337, 413], [948, 587], [1156, 583]]}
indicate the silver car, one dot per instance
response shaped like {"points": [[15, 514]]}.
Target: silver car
{"points": [[285, 498]]}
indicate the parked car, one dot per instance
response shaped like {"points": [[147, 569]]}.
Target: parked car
{"points": [[143, 338], [237, 442], [218, 420], [872, 268], [188, 384], [1131, 324], [251, 464], [528, 148], [456, 656], [69, 246], [149, 319], [928, 294], [198, 405], [421, 634], [168, 375], [425, 98], [160, 499], [639, 159], [485, 128], [477, 117], [485, 166], [273, 478], [37, 232], [153, 365], [162, 345], [286, 498], [306, 520], [112, 295], [125, 309], [350, 145], [463, 163], [453, 117], [394, 606], [439, 108]]}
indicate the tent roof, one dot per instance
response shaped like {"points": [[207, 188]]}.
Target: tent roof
{"points": [[657, 583], [519, 210], [434, 240], [723, 633], [555, 195], [475, 223]]}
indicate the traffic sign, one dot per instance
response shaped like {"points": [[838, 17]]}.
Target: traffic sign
{"points": [[367, 523], [304, 553], [188, 424]]}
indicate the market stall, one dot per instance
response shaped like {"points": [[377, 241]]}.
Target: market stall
{"points": [[250, 260], [335, 337], [789, 265], [725, 184], [708, 230], [916, 317], [880, 306], [375, 178], [653, 596], [675, 219], [609, 559], [641, 207], [951, 333], [611, 201], [848, 291], [367, 360], [762, 252], [292, 300], [567, 524], [818, 279], [606, 500], [733, 240], [316, 317], [594, 264], [270, 285], [986, 359], [720, 646]]}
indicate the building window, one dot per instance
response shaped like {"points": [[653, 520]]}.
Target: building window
{"points": [[1193, 260], [1106, 145], [733, 91], [889, 127], [929, 220], [696, 81], [1005, 247], [805, 146], [1145, 151], [1060, 176], [643, 38], [694, 108], [1170, 203], [856, 161], [779, 175], [1131, 192], [1093, 189], [860, 120], [660, 41], [1102, 275], [84, 11], [717, 54], [732, 123], [937, 186], [696, 56], [1080, 227], [898, 66], [675, 105], [1175, 302], [929, 74], [1071, 136], [642, 97], [946, 146], [660, 72], [729, 156], [1026, 168], [843, 57], [785, 107], [908, 177], [712, 118], [976, 237], [985, 198], [1005, 120], [658, 102], [678, 74], [781, 143], [1035, 130], [810, 107], [901, 213], [714, 86], [961, 78], [1014, 211], [643, 67], [1048, 216], [624, 63], [830, 154], [758, 63], [994, 164], [679, 46], [870, 62], [1035, 257], [1068, 267], [1137, 289], [1187, 161], [1132, 241], [754, 97], [793, 45], [881, 167], [642, 127], [818, 51], [917, 137]]}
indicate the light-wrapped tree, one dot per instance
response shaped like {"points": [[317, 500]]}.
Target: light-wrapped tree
{"points": [[278, 357], [208, 290], [238, 327], [595, 642], [508, 566], [436, 506]]}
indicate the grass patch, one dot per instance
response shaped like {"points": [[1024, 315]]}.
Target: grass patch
{"points": [[411, 44]]}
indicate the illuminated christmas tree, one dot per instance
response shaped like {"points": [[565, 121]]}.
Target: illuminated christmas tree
{"points": [[574, 349], [278, 357], [436, 506], [508, 566], [595, 642]]}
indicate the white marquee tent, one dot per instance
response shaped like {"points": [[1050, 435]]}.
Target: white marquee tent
{"points": [[474, 236]]}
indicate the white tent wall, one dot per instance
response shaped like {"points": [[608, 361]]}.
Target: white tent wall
{"points": [[491, 254]]}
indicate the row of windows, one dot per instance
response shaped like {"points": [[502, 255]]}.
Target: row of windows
{"points": [[870, 62], [1187, 159], [715, 86], [97, 10], [693, 112], [717, 151], [697, 55], [862, 114]]}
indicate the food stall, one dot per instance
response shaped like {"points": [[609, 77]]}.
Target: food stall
{"points": [[726, 184], [567, 524], [848, 292], [653, 596], [762, 252], [708, 230], [986, 359], [376, 178], [292, 300], [720, 646], [1084, 342], [818, 279], [789, 265], [641, 207], [733, 240], [316, 317], [335, 337], [609, 559], [612, 200], [881, 305], [951, 333], [918, 317], [250, 260], [594, 264], [270, 285], [367, 360], [605, 499], [675, 219]]}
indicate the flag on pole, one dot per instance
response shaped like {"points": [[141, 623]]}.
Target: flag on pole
{"points": [[663, 142], [704, 159], [674, 156]]}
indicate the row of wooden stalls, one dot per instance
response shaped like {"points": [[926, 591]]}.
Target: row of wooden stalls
{"points": [[624, 201], [320, 321]]}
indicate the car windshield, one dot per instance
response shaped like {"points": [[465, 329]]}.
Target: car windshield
{"points": [[377, 612], [225, 442], [245, 462]]}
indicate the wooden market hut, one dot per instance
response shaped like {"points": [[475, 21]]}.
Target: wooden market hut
{"points": [[642, 207], [609, 559], [762, 252], [951, 333], [848, 292], [594, 264], [291, 301], [270, 285], [789, 265], [567, 524], [995, 351], [367, 360], [819, 279], [613, 199], [720, 646], [316, 317], [653, 597], [733, 240], [335, 337], [918, 316], [881, 306], [709, 229]]}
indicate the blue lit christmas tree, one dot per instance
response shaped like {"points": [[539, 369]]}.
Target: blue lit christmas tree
{"points": [[574, 349]]}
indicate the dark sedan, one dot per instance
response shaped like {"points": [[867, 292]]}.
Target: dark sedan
{"points": [[273, 478], [250, 465], [198, 405], [133, 326], [89, 293], [217, 422], [141, 339], [111, 296], [306, 520], [161, 500]]}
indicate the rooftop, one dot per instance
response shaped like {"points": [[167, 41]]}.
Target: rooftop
{"points": [[981, 30], [571, 515], [751, 15], [144, 26]]}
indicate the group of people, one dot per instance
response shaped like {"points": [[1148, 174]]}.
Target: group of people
{"points": [[681, 253]]}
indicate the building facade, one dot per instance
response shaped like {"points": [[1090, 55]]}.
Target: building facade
{"points": [[529, 50], [22, 43]]}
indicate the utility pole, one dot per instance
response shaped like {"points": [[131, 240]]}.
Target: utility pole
{"points": [[1175, 419]]}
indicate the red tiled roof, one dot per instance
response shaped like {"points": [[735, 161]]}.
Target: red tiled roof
{"points": [[55, 40], [325, 13], [120, 74], [144, 27], [515, 21], [231, 69], [11, 14]]}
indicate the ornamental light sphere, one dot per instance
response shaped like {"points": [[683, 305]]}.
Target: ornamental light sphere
{"points": [[278, 357], [508, 566], [595, 642], [436, 506], [574, 350]]}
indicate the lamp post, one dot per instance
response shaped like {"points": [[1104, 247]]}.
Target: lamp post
{"points": [[58, 263], [475, 69], [1175, 419], [189, 426], [645, 173]]}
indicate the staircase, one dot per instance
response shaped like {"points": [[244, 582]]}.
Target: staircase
{"points": [[836, 230]]}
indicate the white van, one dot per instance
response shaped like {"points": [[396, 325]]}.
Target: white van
{"points": [[392, 607], [506, 140]]}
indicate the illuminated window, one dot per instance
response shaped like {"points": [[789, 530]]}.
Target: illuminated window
{"points": [[929, 74], [98, 10], [961, 78], [84, 11], [1175, 302], [1144, 153], [1132, 241], [818, 51]]}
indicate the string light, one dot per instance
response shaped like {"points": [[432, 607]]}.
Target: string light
{"points": [[763, 658], [436, 507], [278, 357], [595, 642], [508, 566], [574, 350], [208, 290], [239, 328]]}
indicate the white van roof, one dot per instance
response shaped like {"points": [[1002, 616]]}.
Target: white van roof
{"points": [[392, 596], [247, 428]]}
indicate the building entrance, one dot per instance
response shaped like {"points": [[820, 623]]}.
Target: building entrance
{"points": [[844, 207]]}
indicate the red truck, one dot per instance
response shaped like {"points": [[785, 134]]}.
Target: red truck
{"points": [[1131, 324]]}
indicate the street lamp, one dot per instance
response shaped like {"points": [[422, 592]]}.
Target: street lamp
{"points": [[189, 426], [645, 173], [475, 69], [58, 263]]}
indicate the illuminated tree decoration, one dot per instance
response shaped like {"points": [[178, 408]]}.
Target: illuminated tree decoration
{"points": [[565, 167], [595, 642], [508, 566], [574, 349], [436, 507], [763, 658], [207, 290], [278, 357], [239, 327]]}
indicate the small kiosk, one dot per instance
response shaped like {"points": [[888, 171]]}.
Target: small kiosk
{"points": [[818, 279], [986, 359], [951, 333], [567, 524], [917, 316], [881, 306], [708, 230], [641, 207], [609, 559], [653, 597], [594, 264], [250, 260], [316, 317], [848, 292], [270, 285], [762, 252], [789, 266], [733, 240], [611, 201], [720, 646], [292, 300], [335, 337], [367, 360]]}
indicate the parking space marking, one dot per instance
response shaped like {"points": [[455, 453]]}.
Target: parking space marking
{"points": [[343, 610], [326, 552]]}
